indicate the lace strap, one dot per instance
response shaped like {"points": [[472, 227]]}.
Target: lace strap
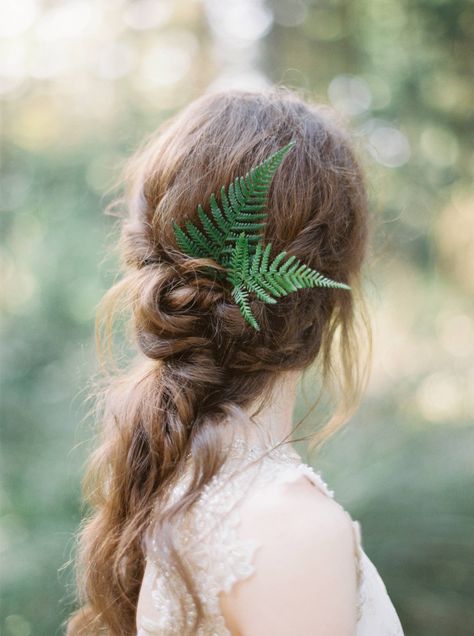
{"points": [[315, 478]]}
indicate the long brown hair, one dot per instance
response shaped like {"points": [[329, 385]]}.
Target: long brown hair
{"points": [[197, 362]]}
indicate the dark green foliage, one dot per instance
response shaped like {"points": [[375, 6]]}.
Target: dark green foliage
{"points": [[243, 209], [233, 238]]}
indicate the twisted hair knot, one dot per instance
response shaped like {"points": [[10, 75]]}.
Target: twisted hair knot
{"points": [[182, 316], [173, 311]]}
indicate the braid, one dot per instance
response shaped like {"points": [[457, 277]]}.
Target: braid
{"points": [[199, 365]]}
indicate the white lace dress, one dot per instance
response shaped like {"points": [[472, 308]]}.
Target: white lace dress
{"points": [[210, 542]]}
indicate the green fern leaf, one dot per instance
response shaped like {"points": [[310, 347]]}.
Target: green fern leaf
{"points": [[232, 237], [253, 274], [243, 206], [254, 286], [285, 280], [246, 201], [239, 260], [241, 297], [216, 236], [207, 246], [187, 244]]}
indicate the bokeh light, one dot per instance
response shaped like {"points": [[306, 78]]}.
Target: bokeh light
{"points": [[81, 83]]}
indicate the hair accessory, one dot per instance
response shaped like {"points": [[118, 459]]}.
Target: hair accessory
{"points": [[233, 238]]}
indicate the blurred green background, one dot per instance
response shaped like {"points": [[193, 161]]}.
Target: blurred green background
{"points": [[81, 82]]}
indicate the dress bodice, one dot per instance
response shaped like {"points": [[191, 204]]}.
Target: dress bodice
{"points": [[218, 556]]}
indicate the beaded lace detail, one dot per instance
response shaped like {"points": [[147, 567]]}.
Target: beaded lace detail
{"points": [[209, 542]]}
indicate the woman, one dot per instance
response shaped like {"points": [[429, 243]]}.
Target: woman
{"points": [[204, 519]]}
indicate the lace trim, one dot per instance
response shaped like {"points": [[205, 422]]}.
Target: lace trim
{"points": [[214, 521]]}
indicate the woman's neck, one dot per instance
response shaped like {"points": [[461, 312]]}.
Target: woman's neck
{"points": [[274, 422]]}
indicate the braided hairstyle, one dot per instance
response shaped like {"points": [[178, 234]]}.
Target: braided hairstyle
{"points": [[197, 363]]}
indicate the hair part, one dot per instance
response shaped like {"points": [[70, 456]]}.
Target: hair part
{"points": [[198, 364]]}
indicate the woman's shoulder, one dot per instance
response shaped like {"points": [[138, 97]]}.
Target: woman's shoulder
{"points": [[300, 497], [306, 551], [293, 493]]}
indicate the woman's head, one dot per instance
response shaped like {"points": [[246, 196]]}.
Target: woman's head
{"points": [[199, 362], [317, 211]]}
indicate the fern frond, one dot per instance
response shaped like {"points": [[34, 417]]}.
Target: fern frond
{"points": [[216, 236], [253, 285], [270, 282], [241, 298], [247, 196], [256, 258], [232, 235], [243, 204], [281, 279], [187, 244], [207, 246], [239, 260]]}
